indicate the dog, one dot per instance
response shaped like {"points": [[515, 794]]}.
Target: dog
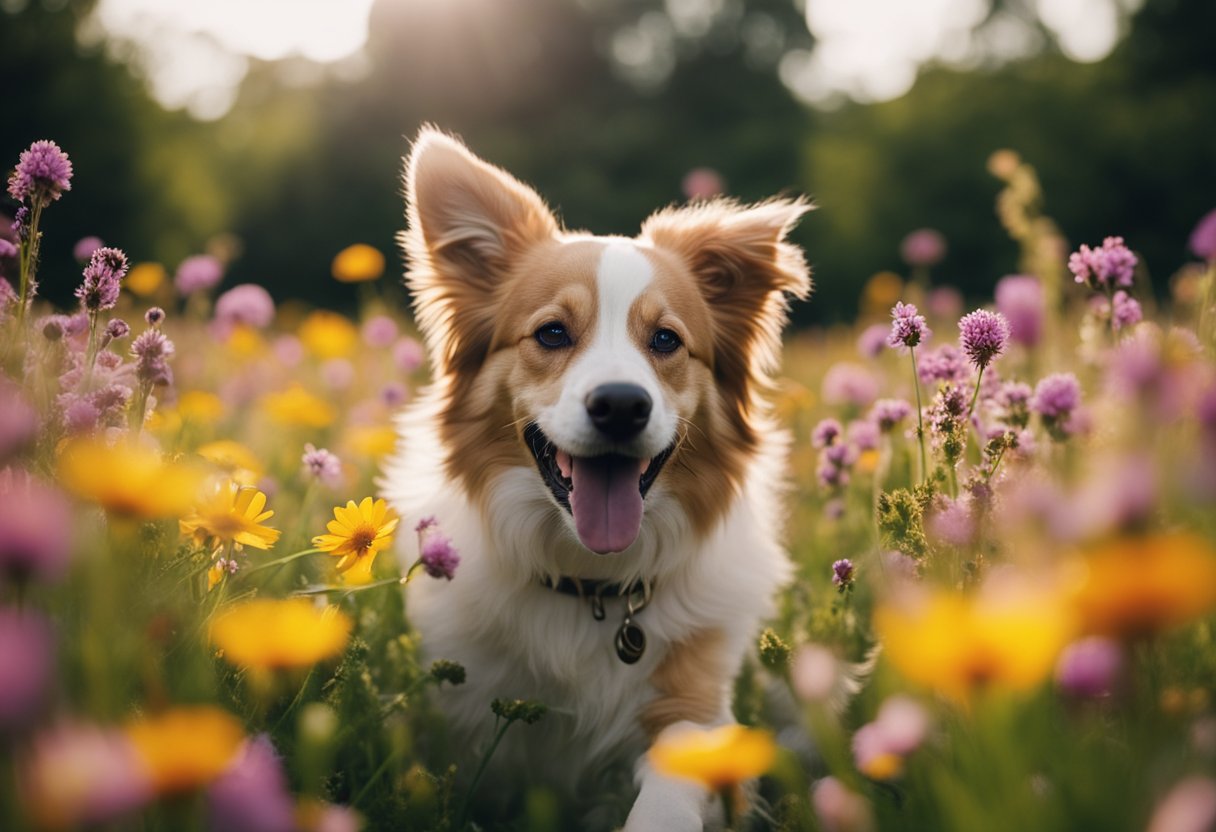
{"points": [[596, 442]]}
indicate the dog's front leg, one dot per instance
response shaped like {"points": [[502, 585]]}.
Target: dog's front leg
{"points": [[672, 804]]}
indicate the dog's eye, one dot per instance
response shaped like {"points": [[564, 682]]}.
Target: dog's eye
{"points": [[665, 341], [553, 335]]}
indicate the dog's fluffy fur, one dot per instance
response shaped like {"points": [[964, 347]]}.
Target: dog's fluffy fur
{"points": [[489, 266]]}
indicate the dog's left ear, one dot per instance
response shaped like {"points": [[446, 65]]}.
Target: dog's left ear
{"points": [[746, 269], [465, 220]]}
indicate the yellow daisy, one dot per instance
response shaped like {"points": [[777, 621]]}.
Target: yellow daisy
{"points": [[296, 407], [328, 335], [187, 747], [357, 534], [278, 634], [358, 263], [716, 758], [231, 513], [128, 480]]}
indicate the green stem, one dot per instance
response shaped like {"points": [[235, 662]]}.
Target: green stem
{"points": [[29, 261], [348, 590], [481, 770], [920, 421], [281, 561], [391, 758], [996, 463], [976, 395]]}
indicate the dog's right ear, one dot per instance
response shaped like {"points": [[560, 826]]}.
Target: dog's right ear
{"points": [[465, 220]]}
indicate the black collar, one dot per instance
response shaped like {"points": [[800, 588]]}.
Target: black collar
{"points": [[590, 587], [630, 640]]}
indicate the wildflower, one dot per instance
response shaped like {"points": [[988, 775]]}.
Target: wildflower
{"points": [[317, 816], [99, 290], [1203, 237], [244, 305], [337, 373], [849, 384], [983, 335], [702, 183], [116, 330], [948, 423], [35, 529], [826, 433], [379, 331], [84, 248], [145, 278], [206, 408], [128, 480], [872, 341], [717, 758], [863, 435], [295, 406], [908, 328], [371, 440], [1090, 668], [521, 710], [944, 364], [185, 747], [1003, 638], [1055, 398], [773, 650], [1124, 311], [879, 747], [154, 317], [436, 553], [18, 421], [444, 670], [8, 249], [358, 263], [951, 522], [1019, 297], [394, 394], [944, 302], [27, 672], [222, 568], [231, 513], [1189, 807], [1013, 402], [816, 673], [251, 795], [834, 463], [840, 809], [356, 535], [322, 466], [843, 574], [152, 351], [42, 174], [279, 634], [328, 335], [888, 413], [407, 355], [923, 247], [1107, 268], [1140, 586], [881, 291], [81, 775], [198, 274], [288, 350]]}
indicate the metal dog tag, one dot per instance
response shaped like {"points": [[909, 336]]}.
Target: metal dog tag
{"points": [[630, 642]]}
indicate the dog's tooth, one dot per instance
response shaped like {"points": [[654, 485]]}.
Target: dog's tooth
{"points": [[564, 463]]}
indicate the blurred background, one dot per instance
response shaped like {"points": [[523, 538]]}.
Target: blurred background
{"points": [[271, 131]]}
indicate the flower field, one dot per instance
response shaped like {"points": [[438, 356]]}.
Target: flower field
{"points": [[1002, 519]]}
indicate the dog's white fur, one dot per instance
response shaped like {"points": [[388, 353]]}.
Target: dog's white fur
{"points": [[518, 639]]}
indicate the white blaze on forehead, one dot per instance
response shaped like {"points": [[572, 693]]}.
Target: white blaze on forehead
{"points": [[623, 274]]}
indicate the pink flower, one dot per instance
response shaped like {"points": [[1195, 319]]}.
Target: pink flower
{"points": [[246, 304], [35, 530], [840, 809], [407, 354], [1090, 668], [379, 331], [1189, 807], [198, 273], [251, 795], [26, 674], [42, 174], [850, 384], [1203, 238], [923, 247], [1019, 297], [702, 183], [1110, 267], [872, 340]]}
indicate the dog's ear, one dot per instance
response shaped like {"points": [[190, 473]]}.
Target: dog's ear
{"points": [[465, 220], [746, 268]]}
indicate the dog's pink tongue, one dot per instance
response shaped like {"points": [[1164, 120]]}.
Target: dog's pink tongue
{"points": [[606, 502]]}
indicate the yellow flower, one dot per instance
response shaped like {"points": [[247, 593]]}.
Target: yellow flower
{"points": [[214, 575], [357, 534], [277, 634], [231, 513], [234, 458], [882, 290], [129, 480], [187, 747], [145, 278], [201, 407], [328, 335], [358, 263], [1140, 586], [716, 758], [295, 406], [372, 440], [245, 342], [957, 644]]}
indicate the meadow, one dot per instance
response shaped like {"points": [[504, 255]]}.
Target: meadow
{"points": [[1001, 517]]}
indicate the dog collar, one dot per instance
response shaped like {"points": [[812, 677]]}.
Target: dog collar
{"points": [[630, 639]]}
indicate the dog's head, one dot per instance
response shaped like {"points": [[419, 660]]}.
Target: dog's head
{"points": [[612, 369]]}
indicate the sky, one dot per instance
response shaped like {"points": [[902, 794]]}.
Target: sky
{"points": [[195, 54]]}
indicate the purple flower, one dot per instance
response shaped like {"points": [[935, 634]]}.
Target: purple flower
{"points": [[407, 354], [42, 174], [245, 305], [946, 363], [840, 809], [1055, 398], [85, 247], [1090, 668], [1109, 267], [825, 433], [951, 522], [984, 336], [863, 434], [944, 302], [7, 248], [198, 273], [117, 329], [35, 529], [251, 795], [99, 290], [843, 574], [152, 350], [28, 647], [155, 316], [338, 373], [702, 183], [18, 421], [1019, 297], [872, 341], [1124, 310], [438, 555], [379, 331], [322, 465], [888, 413], [851, 384], [394, 394], [1203, 238], [80, 415], [908, 328], [923, 247]]}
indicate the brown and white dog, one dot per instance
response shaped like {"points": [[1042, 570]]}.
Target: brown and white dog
{"points": [[596, 444]]}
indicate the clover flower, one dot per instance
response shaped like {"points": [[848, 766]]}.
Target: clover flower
{"points": [[35, 529], [322, 466], [154, 317], [252, 795], [943, 364], [923, 247], [152, 350], [872, 341], [983, 335], [1019, 297], [84, 248], [42, 174], [1013, 403], [407, 354], [825, 433], [1090, 668], [18, 421], [849, 384], [244, 305], [843, 574], [1124, 311], [198, 273], [908, 329], [102, 277], [117, 329], [437, 554], [379, 331], [1107, 268], [1055, 398], [888, 413]]}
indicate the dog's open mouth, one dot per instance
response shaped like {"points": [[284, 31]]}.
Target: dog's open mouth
{"points": [[603, 493]]}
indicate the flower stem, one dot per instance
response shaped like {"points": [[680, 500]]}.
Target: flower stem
{"points": [[920, 420], [481, 769], [29, 262], [976, 395], [281, 561]]}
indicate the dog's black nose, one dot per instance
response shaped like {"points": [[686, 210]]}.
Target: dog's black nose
{"points": [[619, 410]]}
